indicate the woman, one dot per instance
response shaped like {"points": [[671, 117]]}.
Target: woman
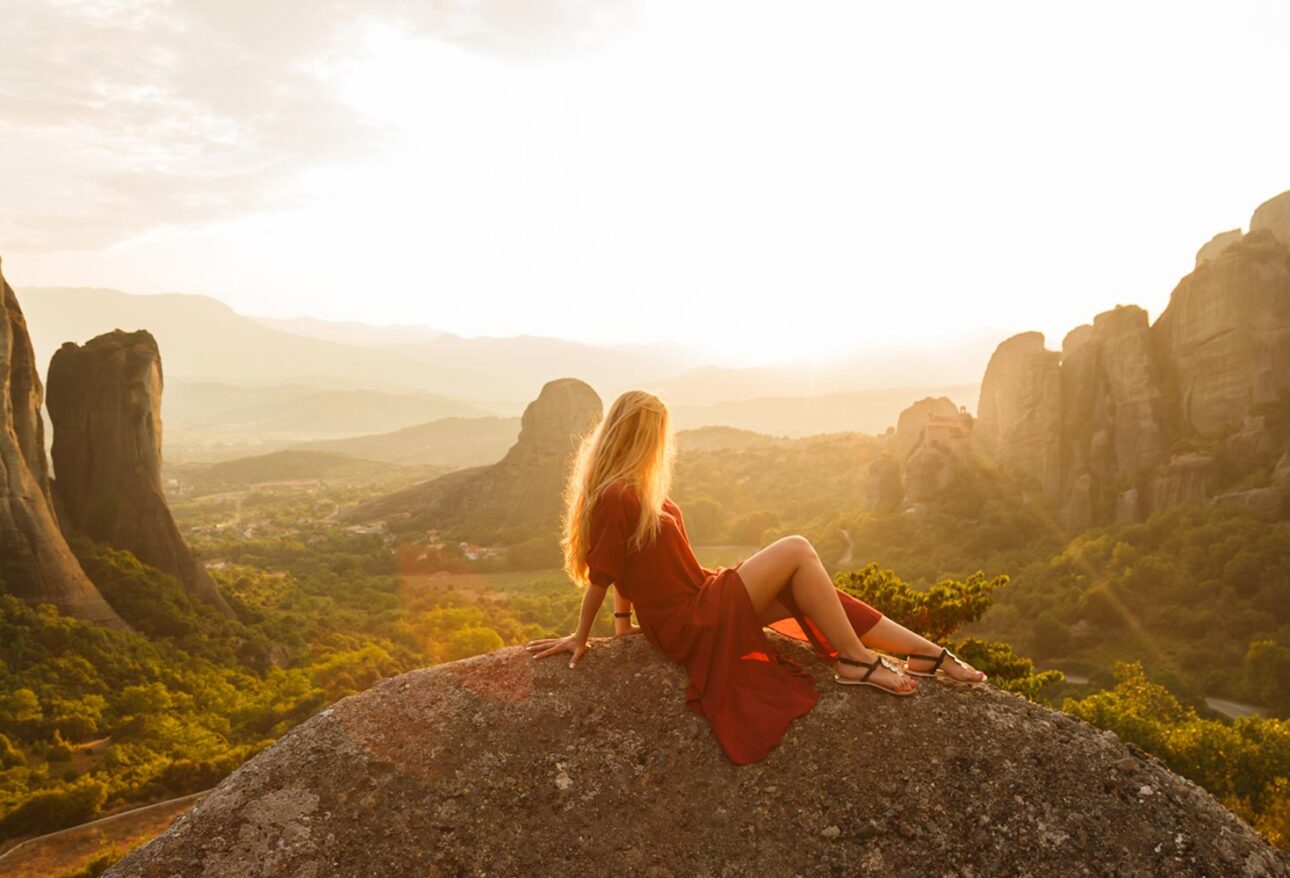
{"points": [[621, 528]]}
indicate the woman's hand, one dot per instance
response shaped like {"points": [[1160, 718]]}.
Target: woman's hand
{"points": [[631, 629], [551, 645]]}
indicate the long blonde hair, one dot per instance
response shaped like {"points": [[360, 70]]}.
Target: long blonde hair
{"points": [[633, 441]]}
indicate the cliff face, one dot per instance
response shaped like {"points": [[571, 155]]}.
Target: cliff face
{"points": [[1226, 333], [1019, 413], [501, 765], [1093, 424], [524, 488], [35, 562], [105, 406]]}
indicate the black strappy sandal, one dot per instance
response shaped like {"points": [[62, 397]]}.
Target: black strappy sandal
{"points": [[938, 672], [880, 661]]}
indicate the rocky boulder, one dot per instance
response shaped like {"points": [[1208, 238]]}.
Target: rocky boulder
{"points": [[35, 561], [524, 489], [105, 406], [501, 765]]}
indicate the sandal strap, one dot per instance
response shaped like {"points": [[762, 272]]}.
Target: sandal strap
{"points": [[872, 666], [935, 658]]}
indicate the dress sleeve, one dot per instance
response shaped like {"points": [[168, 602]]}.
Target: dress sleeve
{"points": [[607, 552]]}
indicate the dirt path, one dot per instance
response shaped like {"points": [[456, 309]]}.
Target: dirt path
{"points": [[71, 848]]}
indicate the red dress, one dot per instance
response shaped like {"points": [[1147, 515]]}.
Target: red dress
{"points": [[704, 618]]}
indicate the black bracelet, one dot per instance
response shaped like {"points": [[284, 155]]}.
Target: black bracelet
{"points": [[627, 614]]}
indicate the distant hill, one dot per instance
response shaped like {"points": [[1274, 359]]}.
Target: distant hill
{"points": [[717, 438], [453, 442], [864, 411], [303, 412], [351, 332], [201, 338], [292, 465]]}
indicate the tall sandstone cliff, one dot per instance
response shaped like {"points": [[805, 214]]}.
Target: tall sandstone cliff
{"points": [[35, 561], [104, 401], [1094, 424], [524, 489]]}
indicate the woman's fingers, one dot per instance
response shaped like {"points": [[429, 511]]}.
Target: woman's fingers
{"points": [[577, 654]]}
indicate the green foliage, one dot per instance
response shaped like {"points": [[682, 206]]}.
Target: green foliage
{"points": [[935, 613], [1195, 588], [98, 865], [942, 610], [1243, 763], [1267, 674], [49, 809], [1006, 669]]}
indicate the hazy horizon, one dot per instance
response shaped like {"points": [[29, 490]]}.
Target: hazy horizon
{"points": [[760, 187]]}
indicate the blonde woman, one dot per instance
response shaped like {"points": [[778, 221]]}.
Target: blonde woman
{"points": [[621, 528]]}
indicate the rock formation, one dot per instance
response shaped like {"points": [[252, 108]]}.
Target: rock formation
{"points": [[524, 489], [1019, 416], [502, 766], [1225, 336], [884, 490], [1217, 245], [1094, 424], [35, 561], [104, 403], [1113, 417], [909, 425], [1273, 216]]}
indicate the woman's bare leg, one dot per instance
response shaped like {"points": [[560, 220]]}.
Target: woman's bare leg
{"points": [[792, 562], [892, 637]]}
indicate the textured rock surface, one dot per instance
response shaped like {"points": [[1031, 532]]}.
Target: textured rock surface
{"points": [[500, 765], [1226, 334], [884, 489], [1094, 424], [35, 562], [1185, 479], [105, 406], [524, 488], [910, 422], [1019, 417], [1113, 412], [1218, 244], [1273, 216]]}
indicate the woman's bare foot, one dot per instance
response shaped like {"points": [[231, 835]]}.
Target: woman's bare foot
{"points": [[951, 666], [887, 679]]}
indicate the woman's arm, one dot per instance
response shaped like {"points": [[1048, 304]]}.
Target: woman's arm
{"points": [[623, 624], [592, 597]]}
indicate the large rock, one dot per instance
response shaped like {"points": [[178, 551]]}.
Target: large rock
{"points": [[1226, 334], [910, 423], [1217, 244], [884, 489], [1273, 216], [1019, 417], [502, 766], [1187, 479], [522, 491], [105, 406], [1114, 413], [35, 561]]}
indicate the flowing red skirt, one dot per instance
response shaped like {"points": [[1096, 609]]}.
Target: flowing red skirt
{"points": [[746, 689]]}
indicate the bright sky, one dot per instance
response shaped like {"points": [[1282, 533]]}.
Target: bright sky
{"points": [[768, 179]]}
